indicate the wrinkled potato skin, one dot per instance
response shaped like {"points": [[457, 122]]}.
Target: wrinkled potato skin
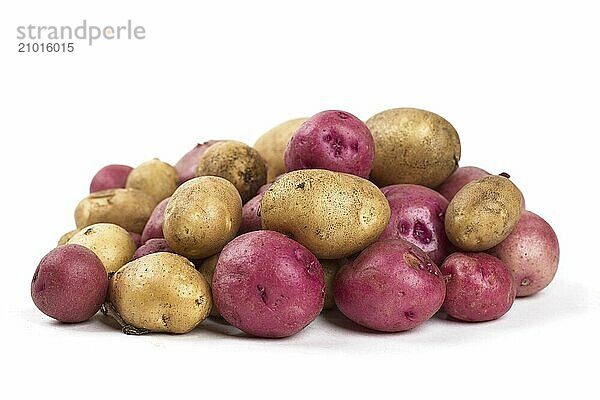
{"points": [[128, 208], [237, 162], [65, 238], [483, 213], [112, 244], [330, 268], [156, 178], [413, 146], [160, 292], [272, 144], [331, 213], [202, 216], [207, 269]]}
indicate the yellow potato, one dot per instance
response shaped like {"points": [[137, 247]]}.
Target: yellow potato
{"points": [[65, 238], [413, 146], [128, 208], [160, 292], [272, 144], [112, 244], [330, 268], [207, 269], [202, 216], [483, 213], [331, 213], [154, 177]]}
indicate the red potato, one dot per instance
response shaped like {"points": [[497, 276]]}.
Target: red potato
{"points": [[152, 246], [137, 238], [69, 284], [531, 252], [458, 179], [333, 140], [479, 287], [154, 226], [112, 176], [391, 286], [268, 285], [417, 215], [251, 212], [188, 164]]}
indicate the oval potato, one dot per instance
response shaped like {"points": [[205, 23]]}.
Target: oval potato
{"points": [[128, 208], [483, 213], [202, 216], [160, 292], [413, 146], [154, 177], [331, 213]]}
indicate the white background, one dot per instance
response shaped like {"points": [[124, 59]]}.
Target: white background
{"points": [[518, 81]]}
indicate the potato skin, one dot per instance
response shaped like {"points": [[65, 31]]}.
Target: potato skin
{"points": [[207, 269], [112, 176], [413, 146], [128, 208], [69, 284], [154, 177], [330, 268], [111, 243], [272, 144], [237, 162], [251, 212], [154, 226], [458, 179], [65, 238], [331, 213], [160, 292], [152, 246], [483, 213], [531, 252], [391, 286], [202, 216], [479, 287], [188, 164]]}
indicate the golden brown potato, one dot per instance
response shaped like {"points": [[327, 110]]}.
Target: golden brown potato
{"points": [[483, 213], [331, 213], [128, 208], [237, 162], [330, 267], [272, 144], [207, 269], [413, 146], [202, 216], [154, 177], [65, 238], [160, 292], [112, 244]]}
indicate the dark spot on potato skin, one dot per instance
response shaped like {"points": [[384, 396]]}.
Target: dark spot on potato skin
{"points": [[300, 185]]}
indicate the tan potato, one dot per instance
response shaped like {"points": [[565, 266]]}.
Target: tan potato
{"points": [[330, 267], [483, 213], [272, 144], [331, 213], [237, 162], [112, 244], [202, 216], [160, 292], [207, 269], [413, 146], [128, 208], [65, 238], [154, 177]]}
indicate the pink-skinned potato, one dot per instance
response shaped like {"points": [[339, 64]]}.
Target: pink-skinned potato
{"points": [[152, 246], [69, 284], [531, 252], [188, 164], [417, 215], [154, 226], [391, 286], [479, 287], [137, 238], [113, 176], [333, 140], [268, 285], [460, 178], [251, 212]]}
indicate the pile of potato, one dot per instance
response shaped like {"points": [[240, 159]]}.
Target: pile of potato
{"points": [[373, 217]]}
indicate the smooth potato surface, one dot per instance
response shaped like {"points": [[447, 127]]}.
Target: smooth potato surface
{"points": [[154, 177]]}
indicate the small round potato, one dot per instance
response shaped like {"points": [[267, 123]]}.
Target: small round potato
{"points": [[160, 292], [207, 269], [272, 144], [413, 146], [65, 238], [237, 162], [112, 244], [154, 177], [202, 216], [332, 213], [483, 213], [128, 208]]}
